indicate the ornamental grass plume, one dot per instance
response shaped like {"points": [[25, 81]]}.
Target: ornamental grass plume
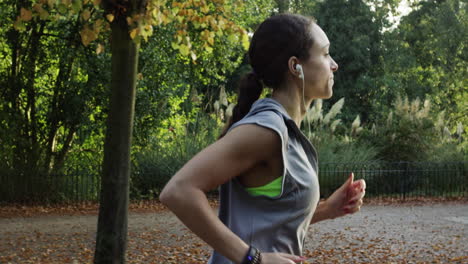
{"points": [[334, 111]]}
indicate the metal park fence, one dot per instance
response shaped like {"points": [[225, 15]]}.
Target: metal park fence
{"points": [[400, 179], [384, 179]]}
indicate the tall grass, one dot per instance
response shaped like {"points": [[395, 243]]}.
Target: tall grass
{"points": [[336, 143]]}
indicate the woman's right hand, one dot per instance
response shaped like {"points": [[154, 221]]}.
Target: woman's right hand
{"points": [[280, 258]]}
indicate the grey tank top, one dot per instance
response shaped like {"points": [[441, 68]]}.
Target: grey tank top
{"points": [[274, 224]]}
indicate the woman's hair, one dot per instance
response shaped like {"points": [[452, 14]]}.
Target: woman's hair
{"points": [[275, 41]]}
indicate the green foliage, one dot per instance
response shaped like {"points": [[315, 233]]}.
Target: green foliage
{"points": [[55, 89], [336, 142], [168, 151], [411, 132], [426, 57], [355, 44], [407, 133]]}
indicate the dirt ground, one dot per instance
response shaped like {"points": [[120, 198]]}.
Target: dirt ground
{"points": [[436, 233]]}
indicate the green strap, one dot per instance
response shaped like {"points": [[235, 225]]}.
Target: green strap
{"points": [[271, 189]]}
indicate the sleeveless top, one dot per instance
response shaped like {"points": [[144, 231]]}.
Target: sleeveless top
{"points": [[274, 224]]}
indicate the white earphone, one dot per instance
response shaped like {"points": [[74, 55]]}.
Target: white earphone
{"points": [[301, 76], [301, 72]]}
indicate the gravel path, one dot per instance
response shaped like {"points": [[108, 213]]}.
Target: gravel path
{"points": [[378, 234]]}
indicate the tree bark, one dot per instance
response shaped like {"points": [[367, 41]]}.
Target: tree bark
{"points": [[111, 238]]}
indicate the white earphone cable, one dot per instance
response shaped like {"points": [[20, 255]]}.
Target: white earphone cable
{"points": [[303, 97]]}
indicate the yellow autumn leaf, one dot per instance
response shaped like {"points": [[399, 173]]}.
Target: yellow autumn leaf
{"points": [[184, 49], [155, 13], [110, 18], [180, 19], [175, 11], [233, 38], [208, 49], [77, 5], [37, 7], [165, 19], [87, 35], [97, 2], [84, 37], [195, 24], [189, 43], [193, 55], [51, 3], [25, 14], [245, 41], [146, 32], [133, 33], [99, 24], [43, 14], [99, 49], [190, 13], [174, 45], [86, 14], [221, 23], [221, 9], [136, 17], [19, 25], [205, 9]]}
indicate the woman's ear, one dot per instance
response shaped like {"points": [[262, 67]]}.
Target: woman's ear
{"points": [[292, 66]]}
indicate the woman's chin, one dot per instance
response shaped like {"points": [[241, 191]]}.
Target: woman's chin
{"points": [[328, 94]]}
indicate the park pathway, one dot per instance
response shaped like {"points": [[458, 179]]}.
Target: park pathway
{"points": [[435, 233]]}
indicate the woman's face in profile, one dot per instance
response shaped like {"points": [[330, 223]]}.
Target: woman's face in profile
{"points": [[319, 68]]}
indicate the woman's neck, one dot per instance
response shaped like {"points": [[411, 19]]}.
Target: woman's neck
{"points": [[292, 103]]}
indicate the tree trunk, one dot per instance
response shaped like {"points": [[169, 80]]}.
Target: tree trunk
{"points": [[111, 238]]}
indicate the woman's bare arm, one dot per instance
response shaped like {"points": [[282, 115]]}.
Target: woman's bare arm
{"points": [[238, 151]]}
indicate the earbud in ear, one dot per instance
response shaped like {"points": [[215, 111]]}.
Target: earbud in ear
{"points": [[299, 69]]}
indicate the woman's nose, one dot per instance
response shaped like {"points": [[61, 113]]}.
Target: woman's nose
{"points": [[334, 66]]}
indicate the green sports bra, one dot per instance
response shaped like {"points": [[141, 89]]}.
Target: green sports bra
{"points": [[271, 189]]}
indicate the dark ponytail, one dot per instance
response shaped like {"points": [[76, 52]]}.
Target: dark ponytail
{"points": [[250, 89]]}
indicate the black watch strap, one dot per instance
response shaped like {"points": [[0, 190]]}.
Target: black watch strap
{"points": [[253, 256]]}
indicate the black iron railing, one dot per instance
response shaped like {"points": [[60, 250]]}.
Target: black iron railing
{"points": [[400, 179], [384, 179]]}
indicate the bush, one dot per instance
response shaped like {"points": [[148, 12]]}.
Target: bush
{"points": [[155, 165], [411, 132], [336, 145]]}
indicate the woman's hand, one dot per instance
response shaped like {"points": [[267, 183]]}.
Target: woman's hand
{"points": [[280, 258], [347, 199]]}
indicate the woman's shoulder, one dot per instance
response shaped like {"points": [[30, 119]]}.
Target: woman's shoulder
{"points": [[264, 126], [268, 118]]}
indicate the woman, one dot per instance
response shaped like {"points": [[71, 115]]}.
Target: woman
{"points": [[265, 166]]}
